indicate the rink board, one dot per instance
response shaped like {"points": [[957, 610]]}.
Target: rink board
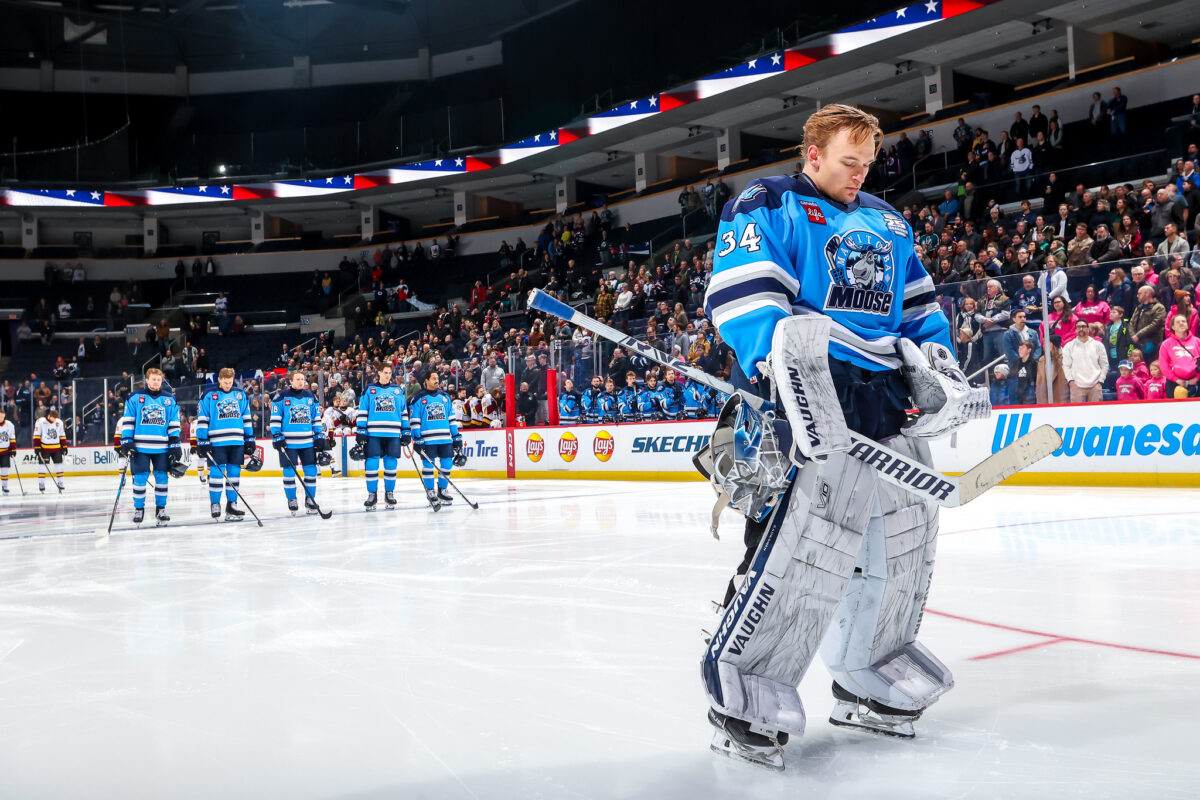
{"points": [[1125, 444]]}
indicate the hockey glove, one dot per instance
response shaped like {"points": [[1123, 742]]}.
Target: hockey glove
{"points": [[203, 451], [405, 440], [174, 452], [64, 448], [279, 441], [321, 444], [125, 449], [940, 391], [460, 458], [361, 440], [249, 448]]}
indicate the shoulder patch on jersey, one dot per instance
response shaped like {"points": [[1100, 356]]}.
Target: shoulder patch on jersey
{"points": [[895, 223], [862, 268], [372, 390], [814, 212], [750, 192], [759, 193]]}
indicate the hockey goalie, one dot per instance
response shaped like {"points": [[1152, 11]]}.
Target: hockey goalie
{"points": [[836, 329]]}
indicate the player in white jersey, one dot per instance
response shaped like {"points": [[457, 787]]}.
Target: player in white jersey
{"points": [[338, 419], [8, 449], [50, 441]]}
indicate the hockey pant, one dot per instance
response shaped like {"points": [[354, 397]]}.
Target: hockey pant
{"points": [[141, 465], [225, 472], [5, 466], [305, 457], [387, 449], [54, 457], [840, 547], [443, 455]]}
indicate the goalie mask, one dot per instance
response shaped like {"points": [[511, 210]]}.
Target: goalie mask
{"points": [[744, 461]]}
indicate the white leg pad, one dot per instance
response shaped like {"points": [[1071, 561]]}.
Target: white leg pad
{"points": [[771, 629], [871, 648]]}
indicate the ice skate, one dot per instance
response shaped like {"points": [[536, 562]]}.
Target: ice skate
{"points": [[390, 499], [138, 515], [5, 487], [215, 510], [432, 497], [203, 477], [60, 485], [310, 506], [160, 517], [42, 486], [233, 513], [747, 742], [293, 506], [444, 497], [867, 715], [371, 501]]}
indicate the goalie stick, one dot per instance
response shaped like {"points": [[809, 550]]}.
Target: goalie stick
{"points": [[893, 467]]}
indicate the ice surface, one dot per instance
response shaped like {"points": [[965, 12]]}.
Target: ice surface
{"points": [[547, 646]]}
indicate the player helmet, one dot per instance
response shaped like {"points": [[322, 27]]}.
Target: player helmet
{"points": [[178, 467], [255, 463]]}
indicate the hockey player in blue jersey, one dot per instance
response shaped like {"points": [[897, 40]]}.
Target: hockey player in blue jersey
{"points": [[569, 406], [296, 428], [696, 400], [590, 401], [149, 430], [225, 435], [435, 436], [608, 403], [649, 401], [671, 394], [381, 429], [627, 409], [716, 401], [830, 546]]}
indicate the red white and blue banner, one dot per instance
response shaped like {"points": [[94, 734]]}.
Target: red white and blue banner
{"points": [[871, 31]]}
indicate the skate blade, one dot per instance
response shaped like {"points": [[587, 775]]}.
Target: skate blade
{"points": [[858, 726], [771, 761]]}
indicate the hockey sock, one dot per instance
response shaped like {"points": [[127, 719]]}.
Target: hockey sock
{"points": [[389, 474], [289, 482], [139, 489], [215, 477], [444, 466], [160, 489], [427, 474], [372, 475], [310, 479], [233, 476]]}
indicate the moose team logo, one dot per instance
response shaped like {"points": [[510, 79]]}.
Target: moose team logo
{"points": [[229, 409], [299, 415], [862, 267], [153, 415], [385, 403]]}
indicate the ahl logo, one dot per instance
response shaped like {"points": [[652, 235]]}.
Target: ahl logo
{"points": [[862, 267], [568, 447], [603, 446], [535, 448]]}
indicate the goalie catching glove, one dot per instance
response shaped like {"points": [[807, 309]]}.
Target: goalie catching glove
{"points": [[940, 391]]}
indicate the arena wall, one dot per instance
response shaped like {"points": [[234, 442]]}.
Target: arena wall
{"points": [[1112, 444]]}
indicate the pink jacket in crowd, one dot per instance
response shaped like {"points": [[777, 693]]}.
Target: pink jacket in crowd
{"points": [[1096, 312], [1129, 389], [1193, 321], [1178, 358]]}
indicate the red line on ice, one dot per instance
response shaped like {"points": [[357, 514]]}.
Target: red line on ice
{"points": [[1056, 636]]}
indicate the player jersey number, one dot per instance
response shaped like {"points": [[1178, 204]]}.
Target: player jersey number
{"points": [[750, 240]]}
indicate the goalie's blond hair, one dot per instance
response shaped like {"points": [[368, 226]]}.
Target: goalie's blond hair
{"points": [[860, 126]]}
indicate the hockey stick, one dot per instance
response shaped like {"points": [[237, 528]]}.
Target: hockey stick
{"points": [[17, 470], [300, 479], [49, 471], [893, 467], [113, 514], [238, 494]]}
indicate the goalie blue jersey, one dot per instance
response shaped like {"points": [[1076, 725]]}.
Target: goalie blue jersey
{"points": [[150, 421], [223, 418], [785, 248], [383, 412]]}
